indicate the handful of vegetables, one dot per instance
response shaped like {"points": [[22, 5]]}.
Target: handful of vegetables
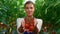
{"points": [[30, 26]]}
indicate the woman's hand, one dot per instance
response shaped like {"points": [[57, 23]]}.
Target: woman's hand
{"points": [[21, 28], [23, 24], [35, 31]]}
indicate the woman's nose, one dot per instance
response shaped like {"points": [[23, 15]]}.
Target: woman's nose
{"points": [[29, 9]]}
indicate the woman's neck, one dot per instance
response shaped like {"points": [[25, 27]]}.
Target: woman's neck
{"points": [[29, 17]]}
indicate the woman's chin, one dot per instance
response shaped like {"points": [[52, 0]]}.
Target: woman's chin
{"points": [[29, 15]]}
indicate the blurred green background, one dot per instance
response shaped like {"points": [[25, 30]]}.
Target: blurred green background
{"points": [[47, 10]]}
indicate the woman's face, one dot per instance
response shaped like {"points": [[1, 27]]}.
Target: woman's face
{"points": [[29, 8]]}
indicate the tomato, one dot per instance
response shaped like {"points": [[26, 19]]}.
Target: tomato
{"points": [[27, 26], [31, 28]]}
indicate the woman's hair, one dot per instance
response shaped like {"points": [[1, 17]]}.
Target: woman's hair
{"points": [[28, 2]]}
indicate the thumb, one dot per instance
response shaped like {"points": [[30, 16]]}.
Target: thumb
{"points": [[23, 24], [35, 24]]}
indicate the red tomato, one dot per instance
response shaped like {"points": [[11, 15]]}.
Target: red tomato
{"points": [[31, 28], [27, 26]]}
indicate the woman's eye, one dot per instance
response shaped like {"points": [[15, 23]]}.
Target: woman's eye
{"points": [[31, 7], [26, 7]]}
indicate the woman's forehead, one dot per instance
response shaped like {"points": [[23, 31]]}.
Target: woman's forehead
{"points": [[29, 5]]}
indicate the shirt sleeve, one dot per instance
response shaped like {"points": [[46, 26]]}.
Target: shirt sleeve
{"points": [[39, 24], [19, 21]]}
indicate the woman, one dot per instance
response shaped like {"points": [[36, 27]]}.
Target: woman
{"points": [[29, 24]]}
